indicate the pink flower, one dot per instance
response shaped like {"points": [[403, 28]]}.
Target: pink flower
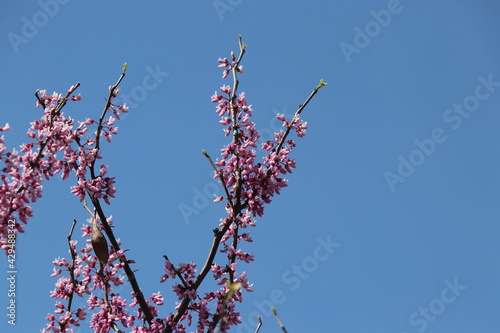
{"points": [[225, 89], [157, 298], [223, 63]]}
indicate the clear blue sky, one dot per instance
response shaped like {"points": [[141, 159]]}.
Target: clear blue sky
{"points": [[399, 168]]}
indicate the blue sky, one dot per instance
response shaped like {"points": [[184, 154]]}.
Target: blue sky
{"points": [[398, 172]]}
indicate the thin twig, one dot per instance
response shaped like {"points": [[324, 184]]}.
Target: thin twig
{"points": [[279, 321], [301, 107], [116, 328], [87, 207], [237, 172], [260, 324], [233, 257], [220, 317], [218, 234], [107, 106], [71, 273], [221, 177], [177, 273], [73, 257], [236, 133]]}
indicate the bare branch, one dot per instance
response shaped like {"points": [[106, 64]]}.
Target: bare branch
{"points": [[260, 324], [279, 321], [298, 112], [221, 177]]}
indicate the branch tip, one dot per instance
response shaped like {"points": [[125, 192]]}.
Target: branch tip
{"points": [[321, 84]]}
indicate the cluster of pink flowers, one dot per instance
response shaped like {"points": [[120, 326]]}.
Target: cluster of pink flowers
{"points": [[249, 185], [51, 136], [81, 277], [260, 181], [200, 305]]}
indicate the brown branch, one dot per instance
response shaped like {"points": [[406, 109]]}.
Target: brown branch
{"points": [[101, 119], [234, 112], [221, 177], [98, 209], [233, 257], [73, 256], [279, 321], [260, 324], [218, 234], [177, 273], [128, 271], [301, 107], [108, 105], [97, 205], [71, 272], [116, 328]]}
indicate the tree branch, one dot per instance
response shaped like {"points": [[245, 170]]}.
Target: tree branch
{"points": [[71, 272], [218, 234], [260, 324], [102, 217], [235, 205], [279, 321], [221, 177], [128, 271], [301, 107]]}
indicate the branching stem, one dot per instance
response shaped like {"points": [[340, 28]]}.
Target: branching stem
{"points": [[298, 112]]}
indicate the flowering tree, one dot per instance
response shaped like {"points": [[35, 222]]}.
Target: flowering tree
{"points": [[59, 144]]}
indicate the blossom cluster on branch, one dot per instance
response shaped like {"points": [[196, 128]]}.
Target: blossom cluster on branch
{"points": [[85, 279], [59, 144], [55, 146], [248, 185]]}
